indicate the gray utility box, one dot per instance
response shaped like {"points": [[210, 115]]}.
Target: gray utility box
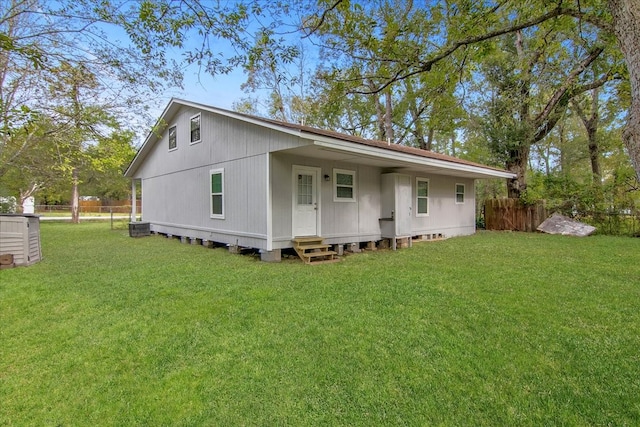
{"points": [[139, 229], [20, 237]]}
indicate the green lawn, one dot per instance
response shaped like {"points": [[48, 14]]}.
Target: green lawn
{"points": [[493, 329]]}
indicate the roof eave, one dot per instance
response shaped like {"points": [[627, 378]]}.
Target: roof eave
{"points": [[478, 171], [152, 138], [365, 150]]}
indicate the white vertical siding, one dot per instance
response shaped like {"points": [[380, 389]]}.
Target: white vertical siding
{"points": [[222, 139], [344, 222], [281, 188], [341, 222], [176, 189], [176, 197], [182, 199], [445, 215]]}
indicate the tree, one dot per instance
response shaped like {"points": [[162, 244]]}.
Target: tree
{"points": [[50, 53], [448, 31], [356, 41], [385, 57], [535, 77], [107, 159], [626, 27], [590, 122], [34, 170], [464, 27]]}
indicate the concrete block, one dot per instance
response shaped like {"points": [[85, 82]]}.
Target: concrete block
{"points": [[271, 256]]}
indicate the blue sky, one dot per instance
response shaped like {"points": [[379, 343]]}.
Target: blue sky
{"points": [[198, 85], [220, 91]]}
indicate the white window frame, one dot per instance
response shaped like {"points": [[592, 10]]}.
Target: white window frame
{"points": [[199, 116], [428, 196], [211, 193], [335, 185], [175, 128], [464, 191]]}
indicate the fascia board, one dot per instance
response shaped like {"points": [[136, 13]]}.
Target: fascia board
{"points": [[241, 117], [152, 138], [365, 150]]}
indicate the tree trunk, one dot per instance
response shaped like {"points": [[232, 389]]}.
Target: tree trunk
{"points": [[429, 143], [626, 25], [591, 124], [380, 119], [419, 130], [517, 163], [594, 155], [388, 117], [375, 99], [75, 198]]}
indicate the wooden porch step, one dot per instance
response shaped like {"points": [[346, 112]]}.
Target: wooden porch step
{"points": [[308, 239], [318, 254], [314, 246], [313, 250]]}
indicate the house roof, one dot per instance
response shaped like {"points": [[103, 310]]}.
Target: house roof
{"points": [[335, 141]]}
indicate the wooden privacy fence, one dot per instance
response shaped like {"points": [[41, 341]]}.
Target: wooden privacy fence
{"points": [[511, 214]]}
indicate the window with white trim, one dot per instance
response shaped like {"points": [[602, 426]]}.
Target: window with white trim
{"points": [[216, 181], [459, 193], [173, 138], [194, 124], [344, 185], [422, 197]]}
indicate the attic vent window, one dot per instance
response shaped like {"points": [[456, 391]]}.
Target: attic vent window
{"points": [[195, 129], [173, 141]]}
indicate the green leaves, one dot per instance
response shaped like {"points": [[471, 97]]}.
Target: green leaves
{"points": [[30, 52]]}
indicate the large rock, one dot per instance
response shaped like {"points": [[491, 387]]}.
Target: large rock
{"points": [[560, 224]]}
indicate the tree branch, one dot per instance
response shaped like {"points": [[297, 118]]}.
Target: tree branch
{"points": [[317, 26], [562, 90], [426, 65]]}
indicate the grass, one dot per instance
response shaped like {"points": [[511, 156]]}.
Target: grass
{"points": [[492, 329]]}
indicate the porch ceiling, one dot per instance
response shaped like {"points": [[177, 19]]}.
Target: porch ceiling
{"points": [[394, 162]]}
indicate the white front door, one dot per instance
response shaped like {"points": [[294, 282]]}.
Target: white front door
{"points": [[306, 209]]}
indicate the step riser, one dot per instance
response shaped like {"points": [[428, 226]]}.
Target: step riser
{"points": [[312, 250]]}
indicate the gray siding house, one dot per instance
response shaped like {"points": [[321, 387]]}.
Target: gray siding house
{"points": [[216, 175]]}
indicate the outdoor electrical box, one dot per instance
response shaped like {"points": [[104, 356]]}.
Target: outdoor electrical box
{"points": [[139, 229]]}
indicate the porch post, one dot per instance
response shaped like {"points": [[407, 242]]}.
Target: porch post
{"points": [[134, 208]]}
